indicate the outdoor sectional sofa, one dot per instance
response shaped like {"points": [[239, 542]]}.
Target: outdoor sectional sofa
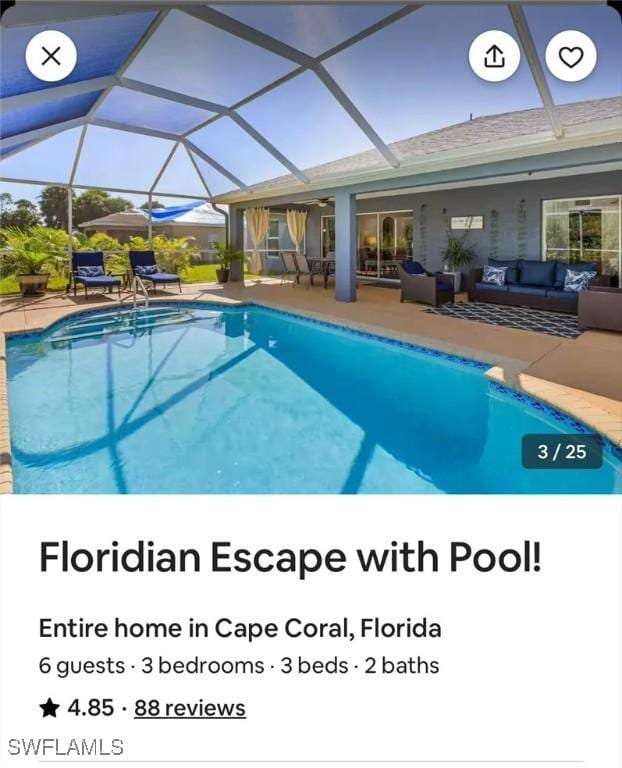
{"points": [[531, 283]]}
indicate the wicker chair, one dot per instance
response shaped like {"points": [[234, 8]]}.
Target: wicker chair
{"points": [[423, 286]]}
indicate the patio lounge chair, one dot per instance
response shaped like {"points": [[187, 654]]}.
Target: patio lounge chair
{"points": [[290, 268], [304, 269], [422, 286], [144, 265], [87, 269]]}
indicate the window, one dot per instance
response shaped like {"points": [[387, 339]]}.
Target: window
{"points": [[583, 229], [276, 241]]}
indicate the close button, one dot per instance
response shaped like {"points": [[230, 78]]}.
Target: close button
{"points": [[51, 56]]}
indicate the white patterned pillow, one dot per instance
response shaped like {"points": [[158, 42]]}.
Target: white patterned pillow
{"points": [[149, 269], [494, 275], [577, 281], [90, 271]]}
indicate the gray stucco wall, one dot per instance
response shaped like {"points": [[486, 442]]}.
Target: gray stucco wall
{"points": [[478, 201]]}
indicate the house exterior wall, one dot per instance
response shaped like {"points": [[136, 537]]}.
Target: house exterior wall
{"points": [[505, 199], [205, 236]]}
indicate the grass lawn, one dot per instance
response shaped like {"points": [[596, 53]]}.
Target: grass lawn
{"points": [[197, 273]]}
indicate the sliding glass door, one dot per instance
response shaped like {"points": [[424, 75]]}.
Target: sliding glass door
{"points": [[382, 239]]}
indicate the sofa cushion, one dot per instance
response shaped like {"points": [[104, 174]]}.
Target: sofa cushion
{"points": [[577, 281], [494, 275], [512, 266], [413, 267], [528, 290], [568, 296], [537, 273], [562, 266], [491, 287]]}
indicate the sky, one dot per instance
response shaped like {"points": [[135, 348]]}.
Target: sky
{"points": [[411, 77]]}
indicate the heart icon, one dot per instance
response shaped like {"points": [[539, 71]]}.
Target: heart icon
{"points": [[571, 56]]}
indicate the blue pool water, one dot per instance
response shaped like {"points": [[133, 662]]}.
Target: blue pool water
{"points": [[196, 399]]}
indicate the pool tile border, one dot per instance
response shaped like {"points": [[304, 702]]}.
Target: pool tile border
{"points": [[6, 470], [6, 477]]}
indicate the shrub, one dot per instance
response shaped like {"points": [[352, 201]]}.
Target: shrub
{"points": [[38, 249]]}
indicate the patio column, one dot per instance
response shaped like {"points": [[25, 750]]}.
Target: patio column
{"points": [[236, 228], [150, 224], [69, 229], [345, 246]]}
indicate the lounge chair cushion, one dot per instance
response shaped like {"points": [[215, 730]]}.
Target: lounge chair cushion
{"points": [[413, 267], [99, 280], [162, 277]]}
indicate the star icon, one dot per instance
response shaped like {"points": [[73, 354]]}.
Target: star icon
{"points": [[49, 708]]}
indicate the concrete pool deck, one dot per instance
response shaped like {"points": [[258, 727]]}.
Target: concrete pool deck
{"points": [[582, 377]]}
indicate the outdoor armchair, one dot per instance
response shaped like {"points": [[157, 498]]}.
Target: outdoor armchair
{"points": [[87, 269], [143, 264], [422, 286]]}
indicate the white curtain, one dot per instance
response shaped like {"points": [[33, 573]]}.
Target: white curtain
{"points": [[296, 223], [257, 221]]}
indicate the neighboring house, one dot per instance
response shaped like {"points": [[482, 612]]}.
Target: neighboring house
{"points": [[198, 220]]}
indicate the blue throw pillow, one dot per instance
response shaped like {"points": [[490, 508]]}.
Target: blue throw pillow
{"points": [[577, 281], [512, 266], [537, 273], [90, 271], [494, 275], [562, 266], [413, 267], [149, 269]]}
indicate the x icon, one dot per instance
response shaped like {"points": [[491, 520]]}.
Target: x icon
{"points": [[51, 55]]}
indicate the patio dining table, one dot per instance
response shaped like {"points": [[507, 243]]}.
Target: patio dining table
{"points": [[322, 266]]}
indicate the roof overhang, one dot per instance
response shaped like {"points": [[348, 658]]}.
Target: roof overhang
{"points": [[599, 133]]}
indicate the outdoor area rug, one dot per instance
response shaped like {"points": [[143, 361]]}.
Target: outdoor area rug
{"points": [[553, 323]]}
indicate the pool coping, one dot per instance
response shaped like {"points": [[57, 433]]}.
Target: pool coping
{"points": [[536, 393]]}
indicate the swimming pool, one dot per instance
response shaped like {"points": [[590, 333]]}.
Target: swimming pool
{"points": [[196, 398]]}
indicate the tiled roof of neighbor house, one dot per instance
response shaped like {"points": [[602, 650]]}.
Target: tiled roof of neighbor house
{"points": [[479, 130], [137, 218]]}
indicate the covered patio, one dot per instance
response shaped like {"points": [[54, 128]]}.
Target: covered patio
{"points": [[233, 117]]}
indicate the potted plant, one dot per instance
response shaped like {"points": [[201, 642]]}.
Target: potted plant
{"points": [[457, 255], [231, 263], [29, 255]]}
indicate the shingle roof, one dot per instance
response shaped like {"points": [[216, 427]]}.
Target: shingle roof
{"points": [[480, 130]]}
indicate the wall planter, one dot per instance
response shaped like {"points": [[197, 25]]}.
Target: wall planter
{"points": [[31, 285]]}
